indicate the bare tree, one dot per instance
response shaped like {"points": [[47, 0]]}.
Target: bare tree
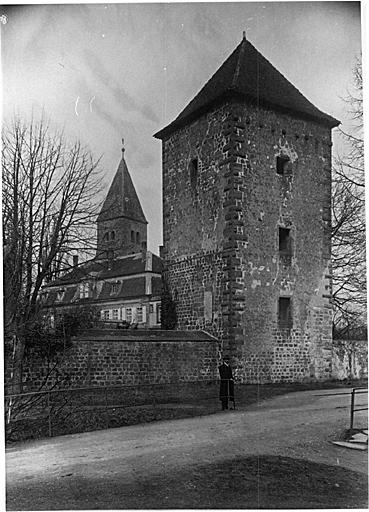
{"points": [[49, 191], [348, 219]]}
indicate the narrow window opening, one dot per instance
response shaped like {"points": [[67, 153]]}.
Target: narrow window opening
{"points": [[285, 241], [137, 237], [139, 314], [283, 165], [284, 312], [194, 172], [112, 235], [106, 237], [132, 236]]}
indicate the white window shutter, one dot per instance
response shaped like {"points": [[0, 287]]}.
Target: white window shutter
{"points": [[134, 314]]}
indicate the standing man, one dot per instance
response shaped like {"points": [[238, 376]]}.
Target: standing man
{"points": [[226, 383]]}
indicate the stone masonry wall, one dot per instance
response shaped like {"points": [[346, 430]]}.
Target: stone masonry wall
{"points": [[122, 245], [194, 223], [193, 280], [231, 217], [299, 201], [117, 362]]}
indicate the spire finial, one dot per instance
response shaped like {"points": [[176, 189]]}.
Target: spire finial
{"points": [[244, 35], [123, 148]]}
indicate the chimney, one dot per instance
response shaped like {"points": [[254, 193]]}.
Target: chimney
{"points": [[75, 260]]}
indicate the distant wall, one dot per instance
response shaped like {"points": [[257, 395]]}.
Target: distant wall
{"points": [[350, 359], [103, 359]]}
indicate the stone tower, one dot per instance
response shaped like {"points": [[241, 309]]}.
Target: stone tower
{"points": [[121, 224], [246, 220]]}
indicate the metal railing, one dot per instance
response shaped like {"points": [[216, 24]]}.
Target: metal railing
{"points": [[354, 392], [49, 409]]}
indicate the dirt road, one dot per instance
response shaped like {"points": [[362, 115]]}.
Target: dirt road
{"points": [[274, 455]]}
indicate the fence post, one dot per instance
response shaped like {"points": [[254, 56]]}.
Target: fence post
{"points": [[352, 409], [154, 400], [49, 409], [106, 408]]}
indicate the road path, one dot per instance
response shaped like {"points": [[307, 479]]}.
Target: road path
{"points": [[118, 468]]}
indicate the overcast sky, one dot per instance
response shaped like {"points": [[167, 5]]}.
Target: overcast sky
{"points": [[107, 71]]}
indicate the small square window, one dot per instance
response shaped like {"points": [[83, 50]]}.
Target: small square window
{"points": [[284, 312]]}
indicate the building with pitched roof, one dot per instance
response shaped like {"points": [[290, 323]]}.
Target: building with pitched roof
{"points": [[246, 220], [123, 280], [121, 224]]}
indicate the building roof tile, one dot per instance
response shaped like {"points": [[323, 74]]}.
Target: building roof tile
{"points": [[247, 74], [105, 269], [122, 199]]}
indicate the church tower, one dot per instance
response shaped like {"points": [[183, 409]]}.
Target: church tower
{"points": [[246, 220], [121, 224]]}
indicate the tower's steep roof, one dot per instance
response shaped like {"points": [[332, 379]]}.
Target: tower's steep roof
{"points": [[122, 199], [246, 73]]}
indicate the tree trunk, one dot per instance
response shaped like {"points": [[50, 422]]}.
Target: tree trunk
{"points": [[16, 379]]}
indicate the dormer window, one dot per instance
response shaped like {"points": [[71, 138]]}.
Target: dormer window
{"points": [[109, 236], [114, 288], [283, 165], [60, 295], [84, 290]]}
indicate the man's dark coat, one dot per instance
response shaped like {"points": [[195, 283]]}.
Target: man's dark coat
{"points": [[226, 384]]}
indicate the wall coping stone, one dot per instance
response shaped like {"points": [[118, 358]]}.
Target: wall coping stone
{"points": [[144, 335]]}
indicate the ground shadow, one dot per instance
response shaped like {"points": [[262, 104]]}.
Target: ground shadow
{"points": [[265, 482]]}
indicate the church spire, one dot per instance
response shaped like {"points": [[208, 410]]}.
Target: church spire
{"points": [[121, 224], [122, 199]]}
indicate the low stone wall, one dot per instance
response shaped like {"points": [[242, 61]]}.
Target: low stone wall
{"points": [[108, 358], [350, 359]]}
